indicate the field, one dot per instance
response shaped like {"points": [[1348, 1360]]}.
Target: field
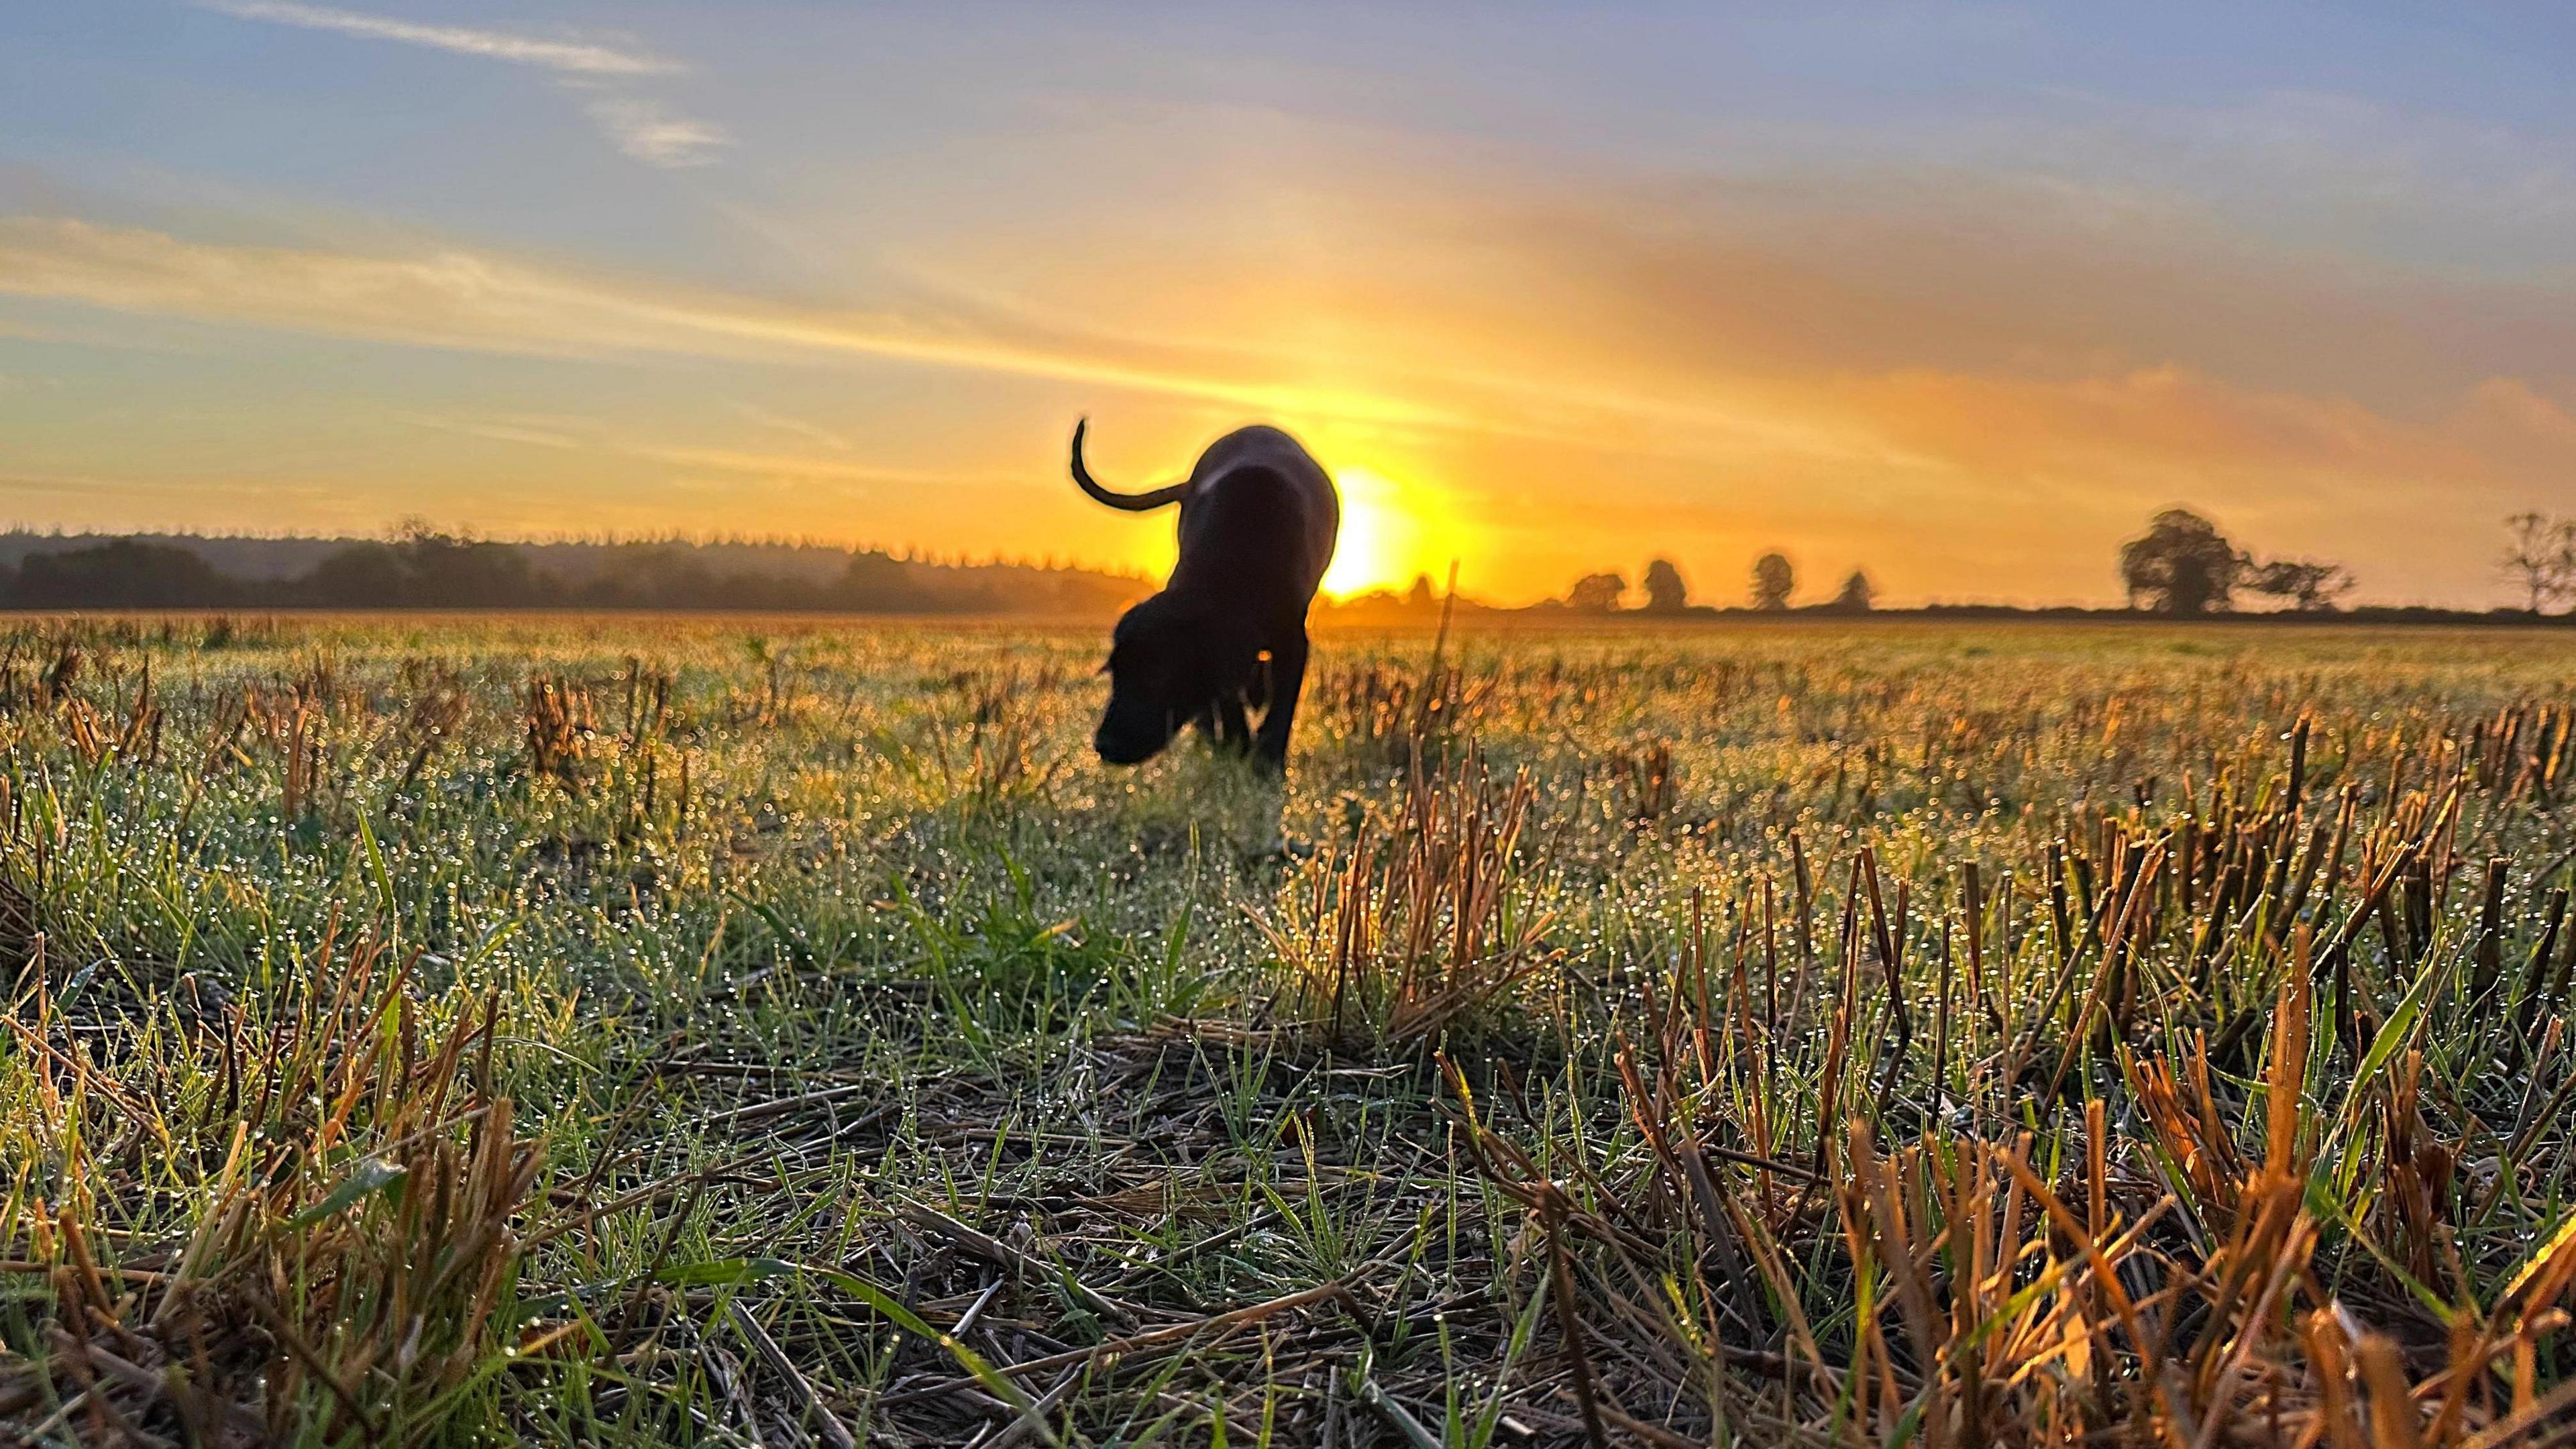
{"points": [[772, 1032]]}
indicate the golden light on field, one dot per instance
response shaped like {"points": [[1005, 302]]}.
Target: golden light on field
{"points": [[1382, 534]]}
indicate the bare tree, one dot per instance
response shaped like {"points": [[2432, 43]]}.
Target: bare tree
{"points": [[1774, 580], [1596, 594], [2540, 554], [1665, 591], [2311, 585]]}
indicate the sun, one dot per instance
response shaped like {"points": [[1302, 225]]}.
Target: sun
{"points": [[1381, 537]]}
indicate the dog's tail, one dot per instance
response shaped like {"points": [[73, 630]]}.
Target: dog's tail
{"points": [[1131, 502]]}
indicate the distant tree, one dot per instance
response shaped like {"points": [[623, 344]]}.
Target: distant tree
{"points": [[2183, 565], [1665, 591], [444, 570], [120, 574], [356, 576], [2540, 554], [876, 581], [1774, 580], [1596, 594], [1858, 594], [2310, 585], [1419, 596], [650, 576]]}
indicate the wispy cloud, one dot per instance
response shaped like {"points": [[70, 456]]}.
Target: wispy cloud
{"points": [[467, 300], [797, 427], [642, 127], [593, 436], [651, 133], [792, 467], [566, 56]]}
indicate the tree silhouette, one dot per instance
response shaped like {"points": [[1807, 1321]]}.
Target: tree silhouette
{"points": [[355, 576], [119, 574], [2540, 554], [416, 565], [2182, 564], [464, 572], [1665, 591], [1858, 594], [1596, 594], [1419, 595], [2311, 586], [1774, 580]]}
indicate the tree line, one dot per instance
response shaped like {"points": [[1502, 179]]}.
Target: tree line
{"points": [[417, 566], [2182, 566], [1773, 589]]}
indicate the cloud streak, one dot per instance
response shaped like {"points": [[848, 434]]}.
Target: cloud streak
{"points": [[465, 300], [563, 56], [640, 126], [650, 133]]}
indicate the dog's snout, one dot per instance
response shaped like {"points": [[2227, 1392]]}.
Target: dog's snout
{"points": [[1116, 751]]}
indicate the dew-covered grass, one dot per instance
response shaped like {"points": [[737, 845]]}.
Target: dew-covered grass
{"points": [[783, 1031]]}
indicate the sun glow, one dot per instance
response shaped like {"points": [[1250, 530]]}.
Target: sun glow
{"points": [[1381, 542]]}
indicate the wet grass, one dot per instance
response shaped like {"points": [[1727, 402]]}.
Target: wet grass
{"points": [[752, 1032]]}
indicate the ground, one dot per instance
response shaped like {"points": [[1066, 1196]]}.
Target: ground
{"points": [[782, 1031]]}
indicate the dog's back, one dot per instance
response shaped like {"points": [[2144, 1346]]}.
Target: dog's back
{"points": [[1261, 516]]}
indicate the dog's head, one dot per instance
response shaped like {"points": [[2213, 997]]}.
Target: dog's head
{"points": [[1169, 663]]}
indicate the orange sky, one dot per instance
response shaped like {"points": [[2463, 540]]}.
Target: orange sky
{"points": [[663, 273]]}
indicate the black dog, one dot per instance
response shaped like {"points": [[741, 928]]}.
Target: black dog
{"points": [[1258, 521]]}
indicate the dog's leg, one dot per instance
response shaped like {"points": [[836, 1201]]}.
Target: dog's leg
{"points": [[1256, 695], [1233, 734], [1287, 681]]}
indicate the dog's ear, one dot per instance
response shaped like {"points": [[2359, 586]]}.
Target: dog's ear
{"points": [[1145, 633]]}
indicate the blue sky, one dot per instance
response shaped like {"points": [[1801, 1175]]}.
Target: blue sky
{"points": [[1956, 293]]}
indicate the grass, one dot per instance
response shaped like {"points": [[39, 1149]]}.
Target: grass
{"points": [[754, 1032]]}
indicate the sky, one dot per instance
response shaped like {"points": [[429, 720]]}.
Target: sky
{"points": [[1956, 294]]}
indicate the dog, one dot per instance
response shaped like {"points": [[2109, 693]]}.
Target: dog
{"points": [[1259, 518]]}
